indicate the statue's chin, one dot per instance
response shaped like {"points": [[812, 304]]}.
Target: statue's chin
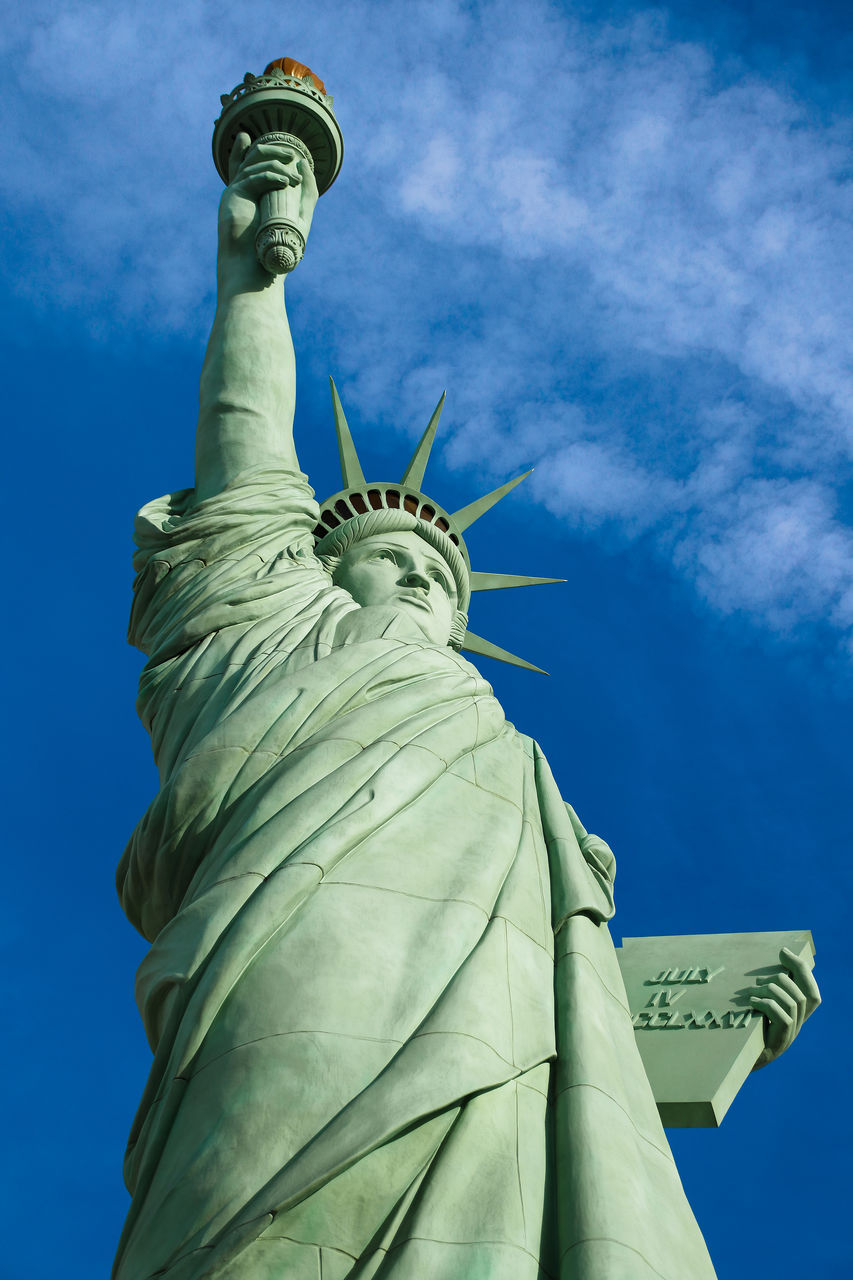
{"points": [[418, 624]]}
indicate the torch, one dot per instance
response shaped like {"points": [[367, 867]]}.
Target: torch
{"points": [[287, 104]]}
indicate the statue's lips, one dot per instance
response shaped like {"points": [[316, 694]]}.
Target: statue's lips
{"points": [[418, 601]]}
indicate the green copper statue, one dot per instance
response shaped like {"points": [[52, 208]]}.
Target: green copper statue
{"points": [[390, 1033]]}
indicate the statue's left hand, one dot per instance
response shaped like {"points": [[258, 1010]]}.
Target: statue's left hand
{"points": [[786, 1000]]}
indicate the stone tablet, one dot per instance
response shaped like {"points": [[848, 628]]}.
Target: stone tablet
{"points": [[696, 984]]}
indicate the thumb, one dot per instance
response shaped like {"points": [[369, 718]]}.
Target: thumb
{"points": [[309, 181], [241, 145]]}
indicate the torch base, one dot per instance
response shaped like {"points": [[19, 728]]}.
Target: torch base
{"points": [[282, 109], [279, 246]]}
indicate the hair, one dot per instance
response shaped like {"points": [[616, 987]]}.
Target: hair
{"points": [[331, 549]]}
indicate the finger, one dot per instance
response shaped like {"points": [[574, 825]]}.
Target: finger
{"points": [[765, 981], [801, 971], [275, 151], [241, 145], [254, 180], [778, 1032], [773, 1011], [791, 981], [309, 181], [255, 167], [783, 982], [787, 997]]}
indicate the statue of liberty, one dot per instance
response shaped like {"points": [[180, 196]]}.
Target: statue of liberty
{"points": [[389, 1030]]}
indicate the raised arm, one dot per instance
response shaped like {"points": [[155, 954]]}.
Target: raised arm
{"points": [[248, 380]]}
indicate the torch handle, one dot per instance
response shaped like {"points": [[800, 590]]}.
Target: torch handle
{"points": [[279, 243]]}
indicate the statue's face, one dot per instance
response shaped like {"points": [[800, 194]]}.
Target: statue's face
{"points": [[402, 570]]}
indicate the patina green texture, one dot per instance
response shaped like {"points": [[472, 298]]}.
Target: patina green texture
{"points": [[287, 106], [705, 983], [390, 1033]]}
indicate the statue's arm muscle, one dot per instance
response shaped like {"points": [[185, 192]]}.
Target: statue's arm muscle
{"points": [[248, 381]]}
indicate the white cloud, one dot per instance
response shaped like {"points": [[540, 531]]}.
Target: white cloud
{"points": [[590, 484], [779, 553], [626, 259]]}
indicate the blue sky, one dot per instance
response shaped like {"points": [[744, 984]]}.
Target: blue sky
{"points": [[620, 236]]}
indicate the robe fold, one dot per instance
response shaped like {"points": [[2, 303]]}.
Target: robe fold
{"points": [[390, 1035]]}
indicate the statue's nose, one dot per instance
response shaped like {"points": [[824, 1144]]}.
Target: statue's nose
{"points": [[414, 578]]}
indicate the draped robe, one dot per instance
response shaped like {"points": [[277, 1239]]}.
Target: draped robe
{"points": [[390, 1035]]}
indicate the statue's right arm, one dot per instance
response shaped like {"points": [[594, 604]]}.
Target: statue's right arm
{"points": [[248, 380]]}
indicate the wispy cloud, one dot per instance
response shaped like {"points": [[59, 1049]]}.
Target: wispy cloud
{"points": [[625, 257]]}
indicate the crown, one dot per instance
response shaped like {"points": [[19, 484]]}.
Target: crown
{"points": [[443, 528]]}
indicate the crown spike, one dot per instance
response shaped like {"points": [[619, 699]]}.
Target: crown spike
{"points": [[467, 515], [413, 476], [497, 581], [351, 471], [476, 644]]}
